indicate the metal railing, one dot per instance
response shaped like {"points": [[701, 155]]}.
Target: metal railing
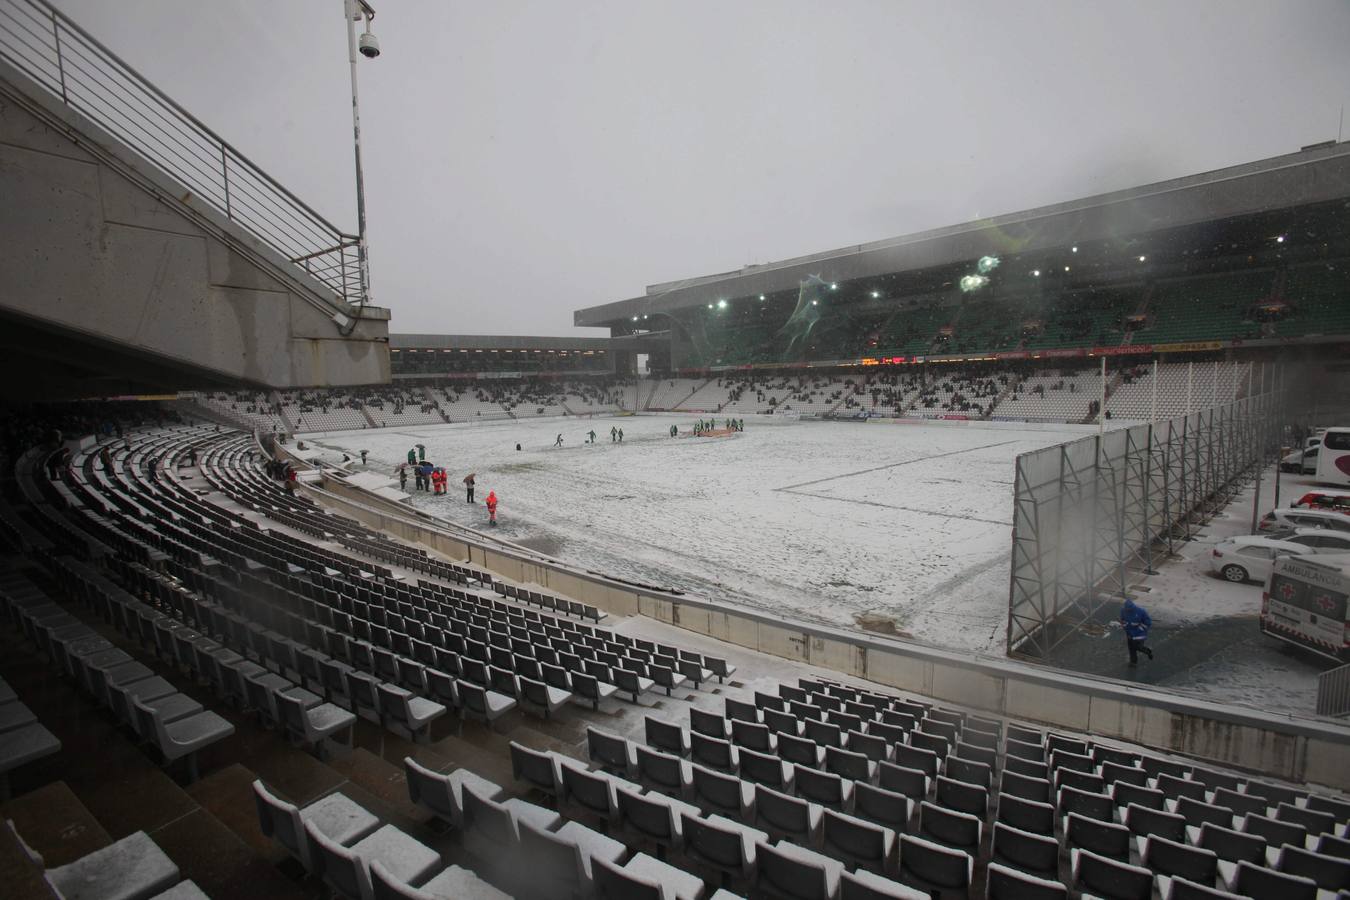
{"points": [[1333, 692], [70, 63]]}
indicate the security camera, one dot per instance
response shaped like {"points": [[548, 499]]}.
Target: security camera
{"points": [[369, 45]]}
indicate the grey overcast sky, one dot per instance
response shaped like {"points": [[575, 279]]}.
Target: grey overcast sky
{"points": [[524, 159]]}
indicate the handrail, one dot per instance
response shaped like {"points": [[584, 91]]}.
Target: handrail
{"points": [[1333, 692], [75, 67]]}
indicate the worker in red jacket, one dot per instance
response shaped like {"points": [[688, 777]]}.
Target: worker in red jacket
{"points": [[492, 508]]}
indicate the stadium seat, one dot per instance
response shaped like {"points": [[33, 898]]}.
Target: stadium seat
{"points": [[931, 867], [718, 792], [1176, 859], [346, 869], [611, 752], [784, 816], [663, 772], [666, 736], [1004, 883], [722, 844], [888, 808], [859, 844], [342, 820], [791, 871], [652, 817], [1143, 822], [313, 726], [1025, 851], [133, 868], [453, 881], [1261, 883], [1235, 846], [948, 826], [540, 770], [865, 885], [562, 863], [1331, 873], [913, 783], [1107, 878], [825, 788], [1101, 838], [442, 794]]}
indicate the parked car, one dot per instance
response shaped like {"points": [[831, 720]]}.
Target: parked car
{"points": [[1247, 558], [1301, 462], [1329, 500], [1322, 540], [1278, 519]]}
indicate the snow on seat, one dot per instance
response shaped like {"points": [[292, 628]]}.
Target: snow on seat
{"points": [[674, 884], [347, 869], [455, 881], [22, 745], [343, 820], [134, 868]]}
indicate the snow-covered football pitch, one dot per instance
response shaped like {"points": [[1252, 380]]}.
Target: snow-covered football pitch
{"points": [[822, 520]]}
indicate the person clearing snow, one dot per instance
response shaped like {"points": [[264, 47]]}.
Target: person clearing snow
{"points": [[1137, 623], [492, 508], [558, 442]]}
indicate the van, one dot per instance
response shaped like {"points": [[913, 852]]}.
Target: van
{"points": [[1305, 604]]}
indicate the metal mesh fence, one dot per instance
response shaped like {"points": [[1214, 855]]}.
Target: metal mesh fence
{"points": [[1091, 514]]}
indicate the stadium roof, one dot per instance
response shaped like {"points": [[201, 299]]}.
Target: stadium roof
{"points": [[494, 342], [1315, 175]]}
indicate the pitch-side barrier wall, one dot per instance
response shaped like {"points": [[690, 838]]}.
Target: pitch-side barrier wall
{"points": [[1284, 747]]}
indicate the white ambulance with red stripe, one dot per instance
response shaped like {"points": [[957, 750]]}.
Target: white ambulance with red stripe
{"points": [[1307, 602]]}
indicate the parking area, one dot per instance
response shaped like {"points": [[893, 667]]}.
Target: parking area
{"points": [[1206, 636]]}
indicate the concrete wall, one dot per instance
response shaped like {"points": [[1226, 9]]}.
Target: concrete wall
{"points": [[1299, 750], [100, 243]]}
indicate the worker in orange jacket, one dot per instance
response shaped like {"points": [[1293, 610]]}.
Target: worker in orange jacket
{"points": [[438, 481], [492, 508]]}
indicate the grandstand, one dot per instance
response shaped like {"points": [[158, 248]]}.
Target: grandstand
{"points": [[431, 696], [1026, 391]]}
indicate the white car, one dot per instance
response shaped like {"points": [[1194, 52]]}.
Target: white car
{"points": [[1278, 519], [1248, 558], [1321, 540], [1302, 462]]}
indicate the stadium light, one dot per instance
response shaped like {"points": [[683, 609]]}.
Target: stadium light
{"points": [[710, 306], [761, 296], [1036, 273], [721, 304], [815, 302], [1280, 239], [634, 318], [834, 285], [356, 11], [1066, 268], [1142, 258], [1073, 249], [876, 295]]}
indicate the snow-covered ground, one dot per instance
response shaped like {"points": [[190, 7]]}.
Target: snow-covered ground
{"points": [[823, 520]]}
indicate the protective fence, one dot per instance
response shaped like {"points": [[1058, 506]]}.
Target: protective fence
{"points": [[1091, 514]]}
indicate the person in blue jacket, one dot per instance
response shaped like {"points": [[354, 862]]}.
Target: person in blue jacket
{"points": [[1137, 623]]}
